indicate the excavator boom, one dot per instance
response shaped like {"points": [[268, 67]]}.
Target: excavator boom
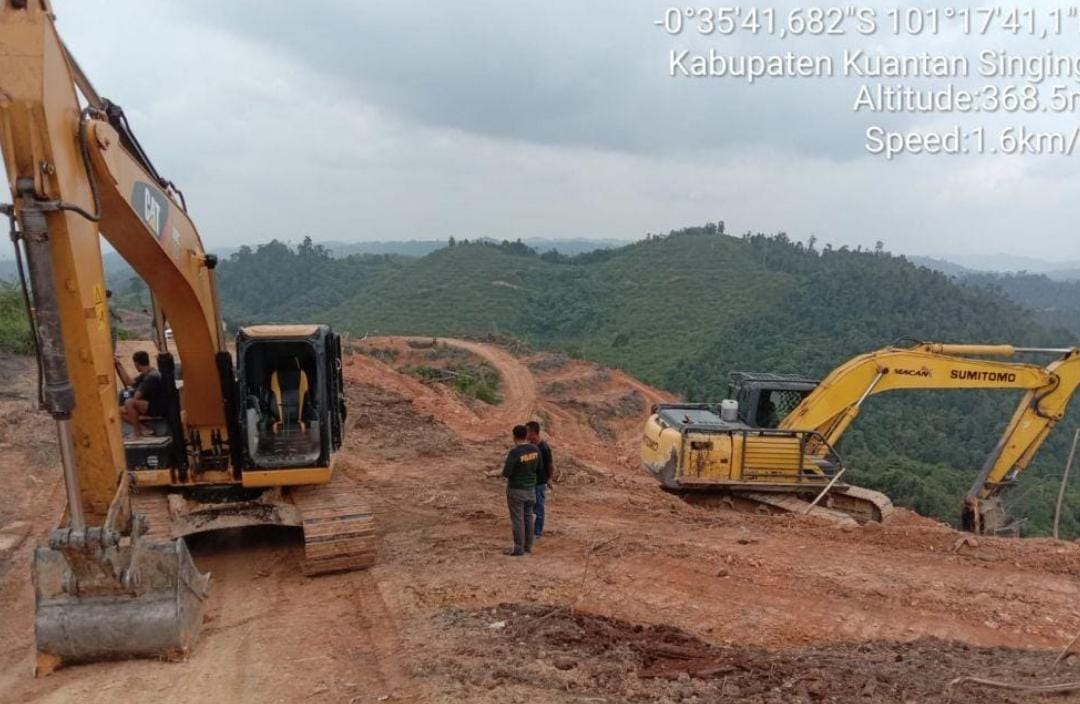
{"points": [[834, 404]]}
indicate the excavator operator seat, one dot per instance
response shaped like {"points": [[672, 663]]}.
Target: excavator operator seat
{"points": [[289, 390], [290, 381]]}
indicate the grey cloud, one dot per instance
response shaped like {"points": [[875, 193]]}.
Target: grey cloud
{"points": [[564, 73], [409, 119], [572, 73]]}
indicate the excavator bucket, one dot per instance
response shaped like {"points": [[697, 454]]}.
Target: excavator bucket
{"points": [[85, 614]]}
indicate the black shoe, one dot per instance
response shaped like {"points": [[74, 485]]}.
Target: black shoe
{"points": [[513, 552]]}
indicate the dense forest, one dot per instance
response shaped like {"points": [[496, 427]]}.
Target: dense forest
{"points": [[1052, 296], [276, 282], [1054, 302], [682, 310]]}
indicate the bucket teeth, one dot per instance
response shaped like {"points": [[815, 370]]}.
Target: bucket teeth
{"points": [[85, 613], [144, 598]]}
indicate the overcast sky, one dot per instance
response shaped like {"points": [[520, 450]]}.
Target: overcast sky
{"points": [[401, 120]]}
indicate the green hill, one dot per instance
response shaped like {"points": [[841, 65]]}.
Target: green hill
{"points": [[623, 308], [1052, 295], [683, 310], [1054, 302], [456, 290], [276, 282]]}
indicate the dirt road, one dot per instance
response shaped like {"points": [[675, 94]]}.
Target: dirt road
{"points": [[518, 385], [631, 595]]}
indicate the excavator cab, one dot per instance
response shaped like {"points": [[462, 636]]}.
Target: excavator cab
{"points": [[290, 381], [766, 399]]}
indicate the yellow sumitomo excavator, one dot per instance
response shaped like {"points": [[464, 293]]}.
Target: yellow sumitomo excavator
{"points": [[241, 442], [770, 446]]}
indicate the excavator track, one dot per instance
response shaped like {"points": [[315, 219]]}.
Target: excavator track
{"points": [[791, 503], [864, 505], [843, 505], [153, 505], [339, 529]]}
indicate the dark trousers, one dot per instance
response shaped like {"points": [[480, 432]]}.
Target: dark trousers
{"points": [[541, 496], [521, 502]]}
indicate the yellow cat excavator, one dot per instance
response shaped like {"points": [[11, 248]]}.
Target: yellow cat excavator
{"points": [[770, 445], [242, 441]]}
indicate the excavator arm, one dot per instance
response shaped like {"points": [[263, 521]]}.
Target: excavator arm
{"points": [[1039, 411], [102, 590], [154, 234], [74, 181], [835, 403]]}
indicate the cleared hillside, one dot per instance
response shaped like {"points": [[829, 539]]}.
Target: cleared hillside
{"points": [[632, 595]]}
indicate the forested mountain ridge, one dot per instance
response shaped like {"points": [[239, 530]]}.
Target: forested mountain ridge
{"points": [[1054, 302], [1057, 269], [276, 282]]}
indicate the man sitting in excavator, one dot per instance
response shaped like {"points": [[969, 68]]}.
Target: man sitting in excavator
{"points": [[148, 399]]}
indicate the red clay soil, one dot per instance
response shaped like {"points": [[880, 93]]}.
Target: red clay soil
{"points": [[632, 595]]}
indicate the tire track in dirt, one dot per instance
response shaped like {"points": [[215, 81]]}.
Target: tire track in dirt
{"points": [[269, 635], [518, 386], [652, 394]]}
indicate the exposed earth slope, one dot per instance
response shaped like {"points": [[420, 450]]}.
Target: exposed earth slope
{"points": [[632, 595]]}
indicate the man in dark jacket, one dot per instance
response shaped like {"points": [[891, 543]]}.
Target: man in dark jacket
{"points": [[545, 476], [522, 464]]}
